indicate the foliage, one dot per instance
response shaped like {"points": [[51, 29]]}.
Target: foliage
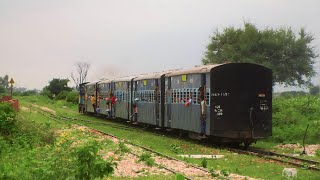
{"points": [[7, 118], [56, 86], [4, 82], [204, 163], [146, 157], [123, 148], [291, 115], [290, 56], [179, 176], [225, 172], [292, 93], [2, 90], [28, 155], [25, 93], [45, 92], [175, 148], [90, 165], [213, 173], [68, 96]]}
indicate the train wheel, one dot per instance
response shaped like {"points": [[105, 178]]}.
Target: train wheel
{"points": [[246, 144]]}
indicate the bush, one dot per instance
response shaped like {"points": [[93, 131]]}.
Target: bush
{"points": [[291, 115], [146, 157], [73, 97], [89, 164], [7, 118], [68, 96], [46, 93]]}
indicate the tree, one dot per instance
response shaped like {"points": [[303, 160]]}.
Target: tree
{"points": [[290, 57], [82, 70], [4, 81], [56, 86]]}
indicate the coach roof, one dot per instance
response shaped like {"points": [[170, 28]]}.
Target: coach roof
{"points": [[155, 75], [194, 70], [123, 79]]}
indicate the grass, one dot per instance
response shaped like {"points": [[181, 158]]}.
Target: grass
{"points": [[234, 163]]}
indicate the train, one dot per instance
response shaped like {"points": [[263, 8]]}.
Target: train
{"points": [[229, 103]]}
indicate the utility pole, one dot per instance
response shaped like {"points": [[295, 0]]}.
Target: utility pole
{"points": [[11, 86]]}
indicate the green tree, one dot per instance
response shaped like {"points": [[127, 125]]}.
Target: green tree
{"points": [[290, 56], [56, 86]]}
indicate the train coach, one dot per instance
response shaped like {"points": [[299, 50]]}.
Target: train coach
{"points": [[224, 102]]}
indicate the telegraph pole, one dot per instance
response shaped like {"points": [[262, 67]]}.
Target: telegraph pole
{"points": [[11, 86]]}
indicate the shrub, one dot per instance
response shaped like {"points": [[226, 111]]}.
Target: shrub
{"points": [[146, 157], [291, 116], [73, 97], [89, 164], [7, 118], [68, 96], [204, 163]]}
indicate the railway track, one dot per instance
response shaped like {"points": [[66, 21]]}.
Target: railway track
{"points": [[63, 119], [282, 158]]}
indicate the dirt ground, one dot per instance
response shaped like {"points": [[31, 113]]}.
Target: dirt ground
{"points": [[310, 149]]}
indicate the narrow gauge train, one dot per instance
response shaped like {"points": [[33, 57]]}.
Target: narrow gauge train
{"points": [[235, 97]]}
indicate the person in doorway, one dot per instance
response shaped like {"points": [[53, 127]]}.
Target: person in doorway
{"points": [[135, 111], [203, 112], [93, 102], [113, 103]]}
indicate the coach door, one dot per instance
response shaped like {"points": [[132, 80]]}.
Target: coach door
{"points": [[156, 101]]}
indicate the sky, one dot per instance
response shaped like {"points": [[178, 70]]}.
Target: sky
{"points": [[41, 39]]}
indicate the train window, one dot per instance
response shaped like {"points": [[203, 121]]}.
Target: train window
{"points": [[159, 96], [208, 96], [183, 95], [124, 96], [152, 96], [175, 96], [178, 96]]}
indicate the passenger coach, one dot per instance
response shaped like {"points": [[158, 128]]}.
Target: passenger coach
{"points": [[237, 100]]}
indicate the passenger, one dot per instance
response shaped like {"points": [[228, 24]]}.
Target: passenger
{"points": [[113, 103], [98, 109], [135, 108], [108, 107], [93, 101], [203, 112]]}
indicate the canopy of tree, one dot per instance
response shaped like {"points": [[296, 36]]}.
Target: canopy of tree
{"points": [[57, 85], [4, 83], [290, 56]]}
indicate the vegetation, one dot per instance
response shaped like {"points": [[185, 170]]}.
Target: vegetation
{"points": [[36, 150], [299, 110], [290, 56], [291, 115], [146, 157], [58, 89], [55, 87], [7, 119], [4, 84]]}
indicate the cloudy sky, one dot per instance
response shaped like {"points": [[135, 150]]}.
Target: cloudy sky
{"points": [[42, 39]]}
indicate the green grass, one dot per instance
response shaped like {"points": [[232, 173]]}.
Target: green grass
{"points": [[234, 163]]}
